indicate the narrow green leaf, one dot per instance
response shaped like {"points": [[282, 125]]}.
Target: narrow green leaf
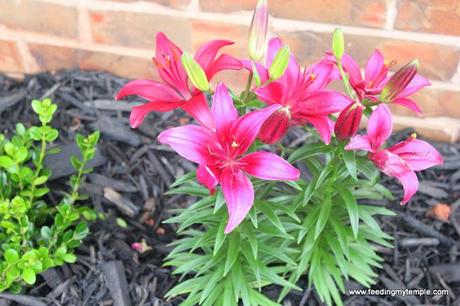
{"points": [[232, 251], [352, 208]]}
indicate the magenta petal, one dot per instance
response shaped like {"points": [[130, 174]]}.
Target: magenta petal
{"points": [[409, 181], [206, 54], [223, 110], [198, 108], [417, 83], [359, 142], [323, 72], [324, 125], [269, 166], [271, 94], [223, 62], [418, 154], [374, 66], [409, 104], [138, 113], [379, 126], [239, 195], [166, 50], [149, 90], [393, 165], [352, 68], [261, 70], [323, 103], [192, 142], [246, 128], [275, 127], [206, 177]]}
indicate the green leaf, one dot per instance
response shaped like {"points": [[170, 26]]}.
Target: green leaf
{"points": [[28, 275], [350, 163], [352, 208], [70, 258], [40, 180], [251, 236], [220, 236], [121, 223], [270, 214], [11, 256], [323, 217], [6, 162], [232, 251]]}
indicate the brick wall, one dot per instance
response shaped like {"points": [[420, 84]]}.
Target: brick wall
{"points": [[118, 36]]}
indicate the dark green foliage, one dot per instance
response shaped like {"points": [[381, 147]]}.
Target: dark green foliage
{"points": [[33, 235]]}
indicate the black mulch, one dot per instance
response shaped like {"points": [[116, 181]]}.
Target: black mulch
{"points": [[132, 173]]}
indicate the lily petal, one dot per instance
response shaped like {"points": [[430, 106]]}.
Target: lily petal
{"points": [[195, 143], [352, 68], [271, 94], [149, 90], [417, 83], [269, 166], [198, 108], [324, 125], [206, 54], [207, 177], [393, 165], [419, 154], [379, 126], [246, 128], [360, 142], [409, 104], [166, 50], [139, 112], [374, 66], [223, 62], [223, 110], [322, 103], [409, 181], [239, 195]]}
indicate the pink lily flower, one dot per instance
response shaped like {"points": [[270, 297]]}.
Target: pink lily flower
{"points": [[175, 90], [376, 77], [401, 160], [303, 98], [221, 156]]}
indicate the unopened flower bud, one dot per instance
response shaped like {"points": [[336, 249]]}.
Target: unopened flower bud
{"points": [[279, 63], [195, 73], [338, 45], [347, 123], [399, 81], [259, 31]]}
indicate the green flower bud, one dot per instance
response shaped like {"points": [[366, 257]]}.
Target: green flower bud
{"points": [[338, 45], [195, 73], [279, 63]]}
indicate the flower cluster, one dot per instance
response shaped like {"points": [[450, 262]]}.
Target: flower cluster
{"points": [[297, 98], [232, 144]]}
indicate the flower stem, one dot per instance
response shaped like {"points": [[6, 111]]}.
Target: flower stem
{"points": [[345, 80]]}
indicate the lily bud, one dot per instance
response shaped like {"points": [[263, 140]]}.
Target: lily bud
{"points": [[338, 45], [259, 31], [279, 63], [195, 73], [347, 123], [399, 81]]}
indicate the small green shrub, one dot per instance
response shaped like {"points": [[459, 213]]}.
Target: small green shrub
{"points": [[36, 236]]}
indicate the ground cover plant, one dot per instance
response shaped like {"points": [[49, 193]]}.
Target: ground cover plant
{"points": [[260, 220], [35, 236]]}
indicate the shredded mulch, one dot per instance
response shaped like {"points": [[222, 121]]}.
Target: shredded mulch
{"points": [[132, 171]]}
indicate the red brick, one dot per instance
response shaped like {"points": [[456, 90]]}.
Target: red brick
{"points": [[434, 103], [37, 16], [369, 13], [203, 31], [53, 58], [122, 65], [10, 58], [137, 29], [171, 3], [439, 16], [437, 62]]}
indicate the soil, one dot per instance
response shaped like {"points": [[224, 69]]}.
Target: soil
{"points": [[133, 171]]}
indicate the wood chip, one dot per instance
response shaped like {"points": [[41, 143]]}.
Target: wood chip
{"points": [[115, 276], [124, 205]]}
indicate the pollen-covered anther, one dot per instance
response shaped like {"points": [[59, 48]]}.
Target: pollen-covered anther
{"points": [[234, 144], [312, 76]]}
